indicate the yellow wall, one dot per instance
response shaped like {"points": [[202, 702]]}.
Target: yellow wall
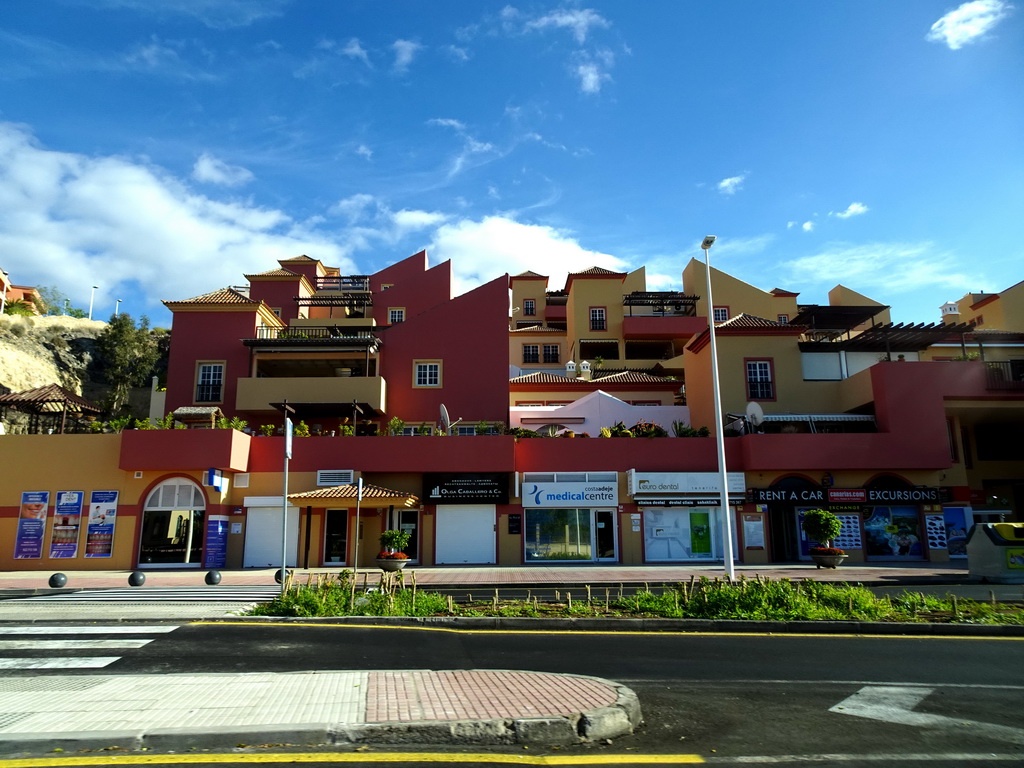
{"points": [[841, 296], [731, 292], [594, 292]]}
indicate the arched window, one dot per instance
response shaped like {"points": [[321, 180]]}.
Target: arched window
{"points": [[172, 525]]}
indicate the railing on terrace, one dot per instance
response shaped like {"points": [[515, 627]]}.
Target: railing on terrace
{"points": [[345, 283], [1005, 374], [332, 333]]}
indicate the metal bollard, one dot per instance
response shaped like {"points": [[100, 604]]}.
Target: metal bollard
{"points": [[213, 577], [137, 579], [58, 580]]}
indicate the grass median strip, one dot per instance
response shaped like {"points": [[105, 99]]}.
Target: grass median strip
{"points": [[756, 599]]}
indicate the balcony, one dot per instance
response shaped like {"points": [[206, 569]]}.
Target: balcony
{"points": [[326, 393], [1005, 375], [316, 335], [344, 283], [662, 326]]}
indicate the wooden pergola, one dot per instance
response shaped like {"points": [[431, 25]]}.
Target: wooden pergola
{"points": [[49, 407]]}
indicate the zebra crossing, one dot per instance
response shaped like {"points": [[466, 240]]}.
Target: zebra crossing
{"points": [[34, 647], [220, 594]]}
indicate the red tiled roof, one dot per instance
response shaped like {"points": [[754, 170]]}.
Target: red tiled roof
{"points": [[537, 329], [303, 258], [223, 296], [632, 377], [543, 377], [528, 273], [743, 320], [273, 273]]}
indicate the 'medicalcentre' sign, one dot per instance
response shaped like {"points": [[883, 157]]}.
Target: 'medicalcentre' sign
{"points": [[570, 494]]}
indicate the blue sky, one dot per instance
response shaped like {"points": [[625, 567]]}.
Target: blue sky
{"points": [[160, 150]]}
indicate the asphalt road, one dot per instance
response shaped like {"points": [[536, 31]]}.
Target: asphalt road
{"points": [[759, 699]]}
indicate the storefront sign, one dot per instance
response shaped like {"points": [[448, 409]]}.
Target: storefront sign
{"points": [[67, 522], [847, 495], [902, 496], [465, 488], [570, 494], [99, 535], [681, 502], [684, 482], [802, 496], [28, 542]]}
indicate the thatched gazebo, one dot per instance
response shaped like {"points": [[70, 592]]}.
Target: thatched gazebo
{"points": [[49, 407]]}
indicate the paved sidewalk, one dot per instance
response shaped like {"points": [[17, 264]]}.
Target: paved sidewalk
{"points": [[465, 576], [222, 711]]}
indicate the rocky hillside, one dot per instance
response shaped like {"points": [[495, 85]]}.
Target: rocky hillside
{"points": [[36, 351]]}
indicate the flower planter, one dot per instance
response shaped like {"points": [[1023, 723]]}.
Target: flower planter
{"points": [[828, 561], [391, 564]]}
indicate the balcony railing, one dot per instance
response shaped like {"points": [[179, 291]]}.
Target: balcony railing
{"points": [[346, 283], [1007, 374], [333, 333]]}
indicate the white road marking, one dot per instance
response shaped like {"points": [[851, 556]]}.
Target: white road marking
{"points": [[893, 704], [66, 662], [69, 645], [116, 629]]}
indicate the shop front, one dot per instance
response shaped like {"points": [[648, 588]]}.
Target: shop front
{"points": [[465, 515], [681, 513], [570, 517], [887, 520]]}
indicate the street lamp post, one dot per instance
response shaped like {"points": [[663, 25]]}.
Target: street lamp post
{"points": [[117, 306], [92, 295], [723, 482]]}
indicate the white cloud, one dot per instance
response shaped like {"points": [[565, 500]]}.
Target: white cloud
{"points": [[210, 170], [364, 151], [968, 22], [731, 185], [482, 250], [405, 52], [853, 209], [470, 145], [590, 77], [579, 22], [74, 221], [886, 267], [353, 49], [217, 14], [807, 226]]}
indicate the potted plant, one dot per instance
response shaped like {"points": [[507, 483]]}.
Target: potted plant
{"points": [[822, 527], [391, 557]]}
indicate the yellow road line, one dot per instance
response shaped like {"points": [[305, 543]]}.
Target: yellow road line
{"points": [[578, 632], [236, 758]]}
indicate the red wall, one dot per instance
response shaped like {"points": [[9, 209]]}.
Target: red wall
{"points": [[208, 336], [470, 335], [279, 293], [484, 453]]}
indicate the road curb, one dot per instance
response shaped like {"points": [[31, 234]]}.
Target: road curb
{"points": [[653, 625]]}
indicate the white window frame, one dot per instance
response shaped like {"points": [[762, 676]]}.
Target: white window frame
{"points": [[426, 373], [205, 378]]}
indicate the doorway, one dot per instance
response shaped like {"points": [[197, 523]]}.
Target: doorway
{"points": [[336, 537], [173, 526]]}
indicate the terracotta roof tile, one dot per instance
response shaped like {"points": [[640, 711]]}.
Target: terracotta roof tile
{"points": [[743, 320], [632, 377], [223, 296], [595, 271], [538, 329], [529, 273], [302, 258], [543, 377], [274, 273]]}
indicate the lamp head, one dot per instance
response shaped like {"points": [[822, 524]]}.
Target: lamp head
{"points": [[708, 242]]}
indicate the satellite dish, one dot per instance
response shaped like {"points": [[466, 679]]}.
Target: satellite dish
{"points": [[446, 422], [755, 415]]}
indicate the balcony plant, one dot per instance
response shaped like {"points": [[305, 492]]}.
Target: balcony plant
{"points": [[391, 557], [822, 526]]}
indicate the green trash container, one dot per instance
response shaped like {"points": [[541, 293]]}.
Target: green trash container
{"points": [[995, 552]]}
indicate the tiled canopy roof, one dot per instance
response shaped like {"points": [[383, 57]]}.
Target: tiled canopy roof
{"points": [[223, 296], [528, 273], [543, 377], [632, 377], [620, 377], [50, 398], [351, 491], [595, 271]]}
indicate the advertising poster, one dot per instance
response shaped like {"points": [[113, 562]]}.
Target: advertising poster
{"points": [[216, 541], [958, 523], [28, 542], [67, 521], [99, 535]]}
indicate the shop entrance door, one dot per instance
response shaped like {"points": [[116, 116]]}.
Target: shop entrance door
{"points": [[336, 537]]}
